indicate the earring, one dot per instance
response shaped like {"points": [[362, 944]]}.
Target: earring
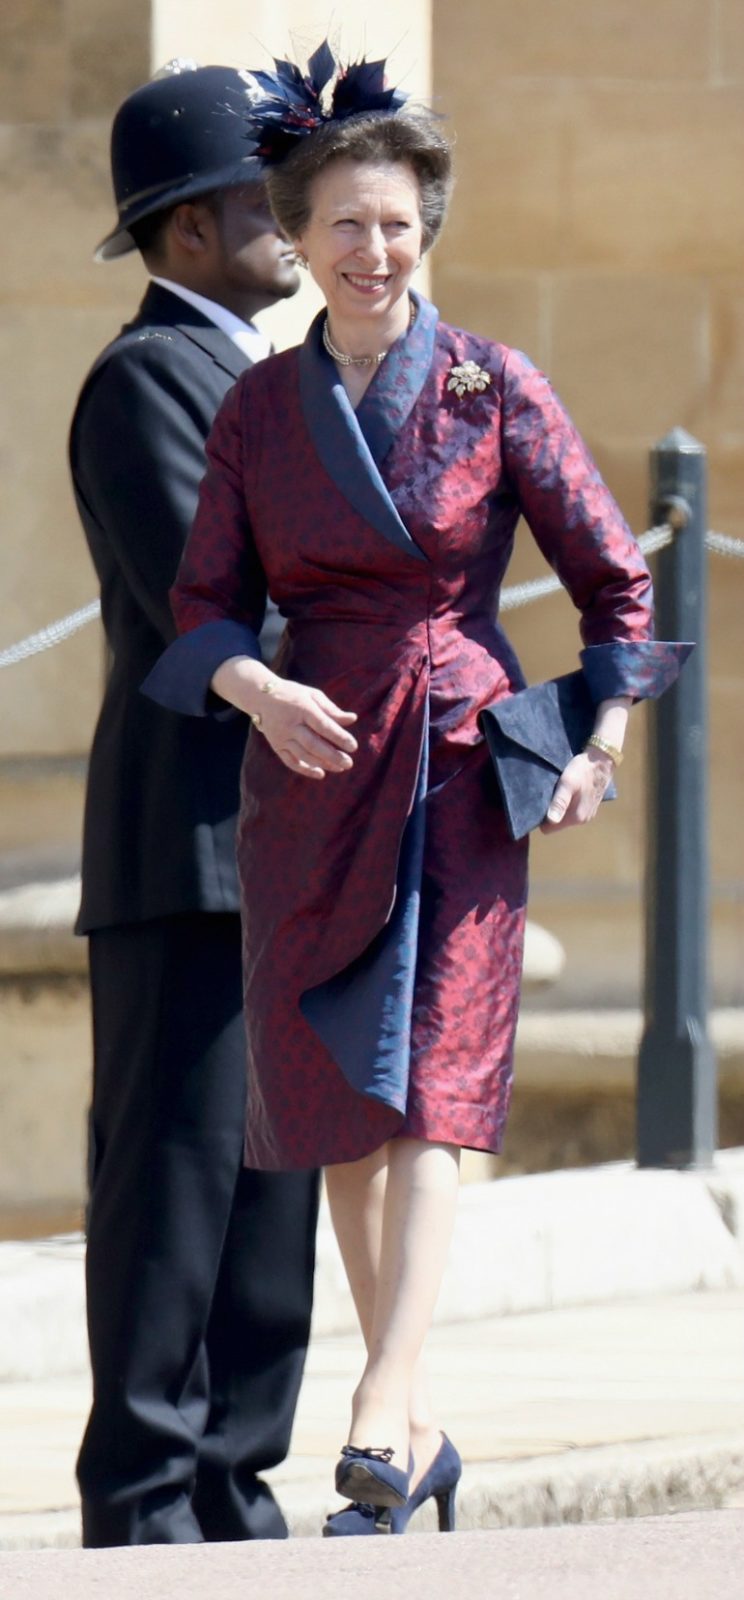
{"points": [[300, 259]]}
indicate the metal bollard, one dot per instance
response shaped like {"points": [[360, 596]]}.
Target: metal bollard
{"points": [[676, 1089]]}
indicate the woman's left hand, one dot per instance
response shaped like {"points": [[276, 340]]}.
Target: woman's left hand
{"points": [[579, 790]]}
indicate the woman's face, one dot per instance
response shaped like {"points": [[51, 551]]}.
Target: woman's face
{"points": [[363, 239]]}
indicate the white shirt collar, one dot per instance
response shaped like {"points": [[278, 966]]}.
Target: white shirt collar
{"points": [[245, 335]]}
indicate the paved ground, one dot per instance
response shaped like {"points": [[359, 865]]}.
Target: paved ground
{"points": [[697, 1557], [567, 1415]]}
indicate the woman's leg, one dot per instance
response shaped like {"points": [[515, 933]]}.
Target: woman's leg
{"points": [[356, 1197], [393, 1214]]}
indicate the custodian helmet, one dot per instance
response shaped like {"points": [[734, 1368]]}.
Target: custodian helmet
{"points": [[180, 135]]}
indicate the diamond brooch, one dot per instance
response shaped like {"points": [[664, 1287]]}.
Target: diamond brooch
{"points": [[468, 379]]}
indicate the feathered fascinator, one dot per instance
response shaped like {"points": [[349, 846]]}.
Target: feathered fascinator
{"points": [[286, 105]]}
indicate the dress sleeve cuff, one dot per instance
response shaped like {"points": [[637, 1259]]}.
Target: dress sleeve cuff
{"points": [[643, 669], [180, 679]]}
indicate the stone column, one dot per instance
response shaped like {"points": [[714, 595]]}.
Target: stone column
{"points": [[250, 32]]}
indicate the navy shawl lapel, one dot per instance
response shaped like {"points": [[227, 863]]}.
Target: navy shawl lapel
{"points": [[341, 445], [388, 402]]}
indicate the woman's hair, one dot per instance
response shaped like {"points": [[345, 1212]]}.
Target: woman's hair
{"points": [[412, 135]]}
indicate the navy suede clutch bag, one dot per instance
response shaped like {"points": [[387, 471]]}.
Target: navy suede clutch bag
{"points": [[531, 737]]}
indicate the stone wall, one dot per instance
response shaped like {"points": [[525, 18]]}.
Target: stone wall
{"points": [[598, 224], [63, 65]]}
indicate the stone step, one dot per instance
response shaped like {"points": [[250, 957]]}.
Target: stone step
{"points": [[624, 1409], [523, 1244], [579, 1049]]}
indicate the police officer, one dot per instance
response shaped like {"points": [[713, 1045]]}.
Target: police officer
{"points": [[199, 1273]]}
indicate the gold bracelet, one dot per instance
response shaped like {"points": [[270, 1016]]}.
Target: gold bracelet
{"points": [[611, 750], [255, 716]]}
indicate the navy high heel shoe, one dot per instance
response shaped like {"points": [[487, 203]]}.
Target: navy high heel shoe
{"points": [[439, 1483], [367, 1476], [356, 1520]]}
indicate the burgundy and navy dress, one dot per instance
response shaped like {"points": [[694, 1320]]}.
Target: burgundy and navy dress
{"points": [[384, 907]]}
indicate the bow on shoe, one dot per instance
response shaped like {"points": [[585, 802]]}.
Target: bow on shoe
{"points": [[352, 1453]]}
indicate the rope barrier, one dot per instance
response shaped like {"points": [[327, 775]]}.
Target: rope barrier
{"points": [[723, 544], [518, 594], [46, 638]]}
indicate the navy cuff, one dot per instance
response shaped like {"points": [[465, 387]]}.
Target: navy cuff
{"points": [[641, 669], [180, 679]]}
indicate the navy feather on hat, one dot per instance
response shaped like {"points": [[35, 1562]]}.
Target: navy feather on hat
{"points": [[286, 105]]}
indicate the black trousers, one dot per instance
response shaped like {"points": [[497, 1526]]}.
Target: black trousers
{"points": [[199, 1273]]}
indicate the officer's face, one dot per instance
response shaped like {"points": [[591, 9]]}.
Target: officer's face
{"points": [[251, 255]]}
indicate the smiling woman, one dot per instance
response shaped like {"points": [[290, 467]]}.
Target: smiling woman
{"points": [[362, 244], [361, 201], [376, 501]]}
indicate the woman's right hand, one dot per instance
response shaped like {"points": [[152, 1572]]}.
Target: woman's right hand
{"points": [[307, 731]]}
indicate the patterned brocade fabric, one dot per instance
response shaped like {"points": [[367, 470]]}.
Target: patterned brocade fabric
{"points": [[384, 908]]}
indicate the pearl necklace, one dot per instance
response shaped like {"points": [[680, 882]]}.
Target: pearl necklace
{"points": [[360, 361]]}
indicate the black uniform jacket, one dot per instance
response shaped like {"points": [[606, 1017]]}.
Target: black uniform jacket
{"points": [[162, 798]]}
